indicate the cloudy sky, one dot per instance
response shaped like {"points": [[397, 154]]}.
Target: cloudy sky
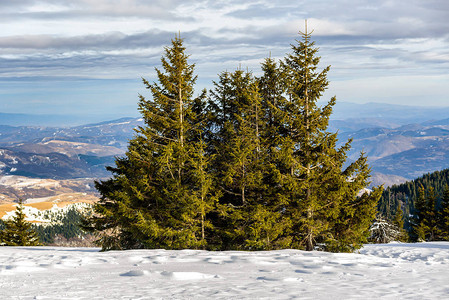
{"points": [[87, 56]]}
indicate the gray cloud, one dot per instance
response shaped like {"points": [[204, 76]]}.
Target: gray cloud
{"points": [[125, 38], [109, 40], [262, 11]]}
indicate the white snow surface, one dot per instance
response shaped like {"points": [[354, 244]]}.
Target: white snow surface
{"points": [[387, 271]]}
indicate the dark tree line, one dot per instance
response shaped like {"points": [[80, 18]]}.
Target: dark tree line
{"points": [[425, 205], [248, 165], [19, 232], [66, 226], [430, 219]]}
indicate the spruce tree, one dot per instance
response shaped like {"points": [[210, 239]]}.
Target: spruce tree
{"points": [[426, 218], [243, 143], [419, 217], [443, 216], [431, 217], [272, 89], [324, 206], [160, 193], [253, 169], [384, 231], [204, 198], [398, 221], [19, 232], [236, 106]]}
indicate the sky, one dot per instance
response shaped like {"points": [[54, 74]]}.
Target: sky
{"points": [[87, 57]]}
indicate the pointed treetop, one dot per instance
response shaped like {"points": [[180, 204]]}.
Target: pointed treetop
{"points": [[306, 33]]}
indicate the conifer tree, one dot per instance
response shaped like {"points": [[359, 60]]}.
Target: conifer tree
{"points": [[19, 232], [418, 221], [399, 222], [398, 217], [237, 145], [243, 162], [204, 198], [431, 217], [426, 219], [262, 222], [272, 90], [160, 193], [323, 204], [443, 216], [384, 231], [253, 169]]}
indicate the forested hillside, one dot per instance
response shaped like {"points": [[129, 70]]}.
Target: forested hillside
{"points": [[56, 226], [424, 204], [407, 193]]}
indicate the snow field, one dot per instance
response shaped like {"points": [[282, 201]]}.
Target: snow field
{"points": [[388, 271]]}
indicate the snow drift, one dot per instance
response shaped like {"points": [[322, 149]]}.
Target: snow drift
{"points": [[388, 271]]}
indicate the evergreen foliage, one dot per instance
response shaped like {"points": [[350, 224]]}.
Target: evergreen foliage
{"points": [[253, 167], [323, 202], [407, 193], [67, 226], [429, 221], [18, 231], [425, 202], [398, 221], [161, 191], [443, 216]]}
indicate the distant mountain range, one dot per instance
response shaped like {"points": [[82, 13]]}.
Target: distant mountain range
{"points": [[359, 116], [402, 142], [13, 119], [63, 153], [407, 151]]}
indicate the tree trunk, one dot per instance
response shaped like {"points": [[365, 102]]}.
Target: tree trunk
{"points": [[309, 239]]}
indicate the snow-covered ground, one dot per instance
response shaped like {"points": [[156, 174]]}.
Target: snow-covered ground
{"points": [[389, 271]]}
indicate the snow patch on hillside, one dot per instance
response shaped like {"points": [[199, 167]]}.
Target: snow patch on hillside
{"points": [[48, 216]]}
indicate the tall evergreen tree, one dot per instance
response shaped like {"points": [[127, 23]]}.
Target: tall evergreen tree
{"points": [[18, 231], [272, 90], [255, 168], [204, 198], [324, 206], [244, 144], [237, 109], [160, 193]]}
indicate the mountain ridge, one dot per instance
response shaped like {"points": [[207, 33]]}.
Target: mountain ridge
{"points": [[396, 149]]}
